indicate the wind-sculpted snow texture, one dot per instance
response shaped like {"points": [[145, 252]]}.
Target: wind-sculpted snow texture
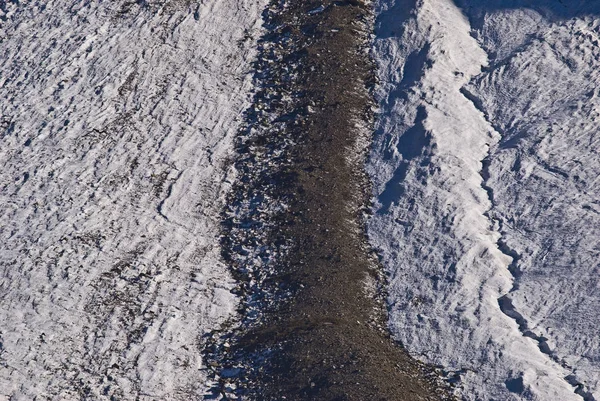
{"points": [[116, 125], [485, 167]]}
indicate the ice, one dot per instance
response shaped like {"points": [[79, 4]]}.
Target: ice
{"points": [[116, 126], [484, 167]]}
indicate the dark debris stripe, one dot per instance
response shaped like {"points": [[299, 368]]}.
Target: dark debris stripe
{"points": [[293, 231]]}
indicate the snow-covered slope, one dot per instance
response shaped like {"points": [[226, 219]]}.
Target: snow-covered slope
{"points": [[116, 126], [485, 166], [543, 98]]}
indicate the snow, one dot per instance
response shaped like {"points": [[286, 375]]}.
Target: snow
{"points": [[116, 122], [484, 166]]}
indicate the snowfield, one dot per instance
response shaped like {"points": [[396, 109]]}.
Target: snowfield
{"points": [[487, 213], [117, 124], [116, 127]]}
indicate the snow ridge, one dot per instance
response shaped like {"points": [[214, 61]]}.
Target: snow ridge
{"points": [[505, 302], [434, 221], [539, 92]]}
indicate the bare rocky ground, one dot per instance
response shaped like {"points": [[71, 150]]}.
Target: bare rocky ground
{"points": [[313, 323]]}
